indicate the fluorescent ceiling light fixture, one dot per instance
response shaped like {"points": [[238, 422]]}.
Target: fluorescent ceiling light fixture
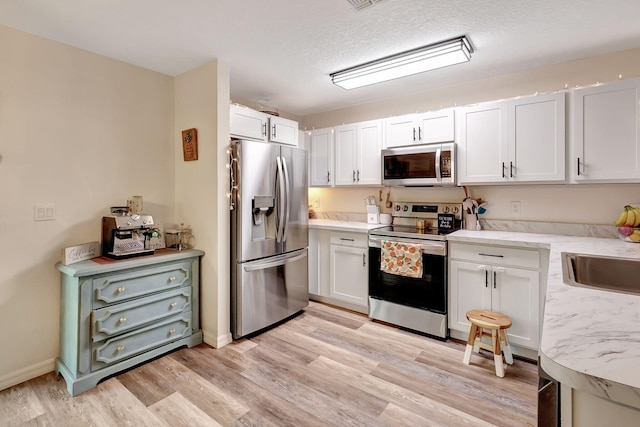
{"points": [[425, 58]]}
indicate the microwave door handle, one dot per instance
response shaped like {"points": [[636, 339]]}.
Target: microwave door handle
{"points": [[287, 199], [438, 159]]}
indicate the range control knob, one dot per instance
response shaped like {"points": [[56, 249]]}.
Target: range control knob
{"points": [[405, 208], [397, 207], [446, 209], [456, 209]]}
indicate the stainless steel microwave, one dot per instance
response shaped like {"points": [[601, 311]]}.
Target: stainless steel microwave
{"points": [[419, 165]]}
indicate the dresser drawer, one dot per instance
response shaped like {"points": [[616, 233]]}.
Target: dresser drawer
{"points": [[487, 254], [121, 287], [120, 318], [124, 346]]}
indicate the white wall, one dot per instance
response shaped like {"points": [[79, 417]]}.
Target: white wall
{"points": [[83, 132], [202, 102], [592, 203]]}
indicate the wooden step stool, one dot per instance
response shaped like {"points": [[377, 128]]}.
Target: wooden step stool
{"points": [[496, 325]]}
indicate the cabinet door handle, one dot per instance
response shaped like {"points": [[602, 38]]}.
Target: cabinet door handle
{"points": [[172, 278], [121, 289], [414, 134], [348, 240], [171, 331], [264, 129], [503, 175], [419, 133], [353, 176], [123, 319], [494, 279], [578, 166], [486, 278], [173, 304], [358, 175], [364, 260], [328, 176], [120, 348], [273, 131], [496, 256], [511, 169]]}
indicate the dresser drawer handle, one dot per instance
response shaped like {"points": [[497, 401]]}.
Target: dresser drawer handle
{"points": [[172, 278], [121, 289], [120, 348], [173, 304], [123, 319], [171, 331]]}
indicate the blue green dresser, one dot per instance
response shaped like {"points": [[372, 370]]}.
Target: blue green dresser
{"points": [[116, 314]]}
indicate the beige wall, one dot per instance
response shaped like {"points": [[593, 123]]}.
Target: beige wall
{"points": [[83, 132], [592, 203], [202, 102]]}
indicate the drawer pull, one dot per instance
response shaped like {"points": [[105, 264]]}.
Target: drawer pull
{"points": [[173, 304], [121, 289], [171, 331], [172, 278], [123, 319], [120, 348], [347, 240], [496, 256]]}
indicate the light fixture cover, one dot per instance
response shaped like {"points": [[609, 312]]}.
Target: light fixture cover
{"points": [[425, 58]]}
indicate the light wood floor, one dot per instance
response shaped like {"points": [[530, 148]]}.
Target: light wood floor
{"points": [[326, 367]]}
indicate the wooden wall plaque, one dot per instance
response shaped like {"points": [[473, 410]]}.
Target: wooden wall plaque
{"points": [[190, 144]]}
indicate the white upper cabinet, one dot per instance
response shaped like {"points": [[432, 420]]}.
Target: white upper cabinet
{"points": [[248, 123], [357, 153], [251, 124], [321, 158], [519, 140], [605, 133], [425, 128]]}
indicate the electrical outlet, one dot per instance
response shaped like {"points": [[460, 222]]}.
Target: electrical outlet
{"points": [[316, 204], [515, 208]]}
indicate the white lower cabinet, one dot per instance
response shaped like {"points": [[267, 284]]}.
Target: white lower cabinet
{"points": [[338, 268], [505, 280]]}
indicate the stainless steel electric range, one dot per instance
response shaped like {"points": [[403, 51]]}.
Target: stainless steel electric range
{"points": [[420, 303]]}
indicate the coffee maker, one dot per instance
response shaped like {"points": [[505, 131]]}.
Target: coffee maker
{"points": [[123, 236]]}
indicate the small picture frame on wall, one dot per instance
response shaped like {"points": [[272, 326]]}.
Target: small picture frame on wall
{"points": [[190, 144]]}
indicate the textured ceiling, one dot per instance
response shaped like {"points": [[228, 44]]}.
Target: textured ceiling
{"points": [[283, 51]]}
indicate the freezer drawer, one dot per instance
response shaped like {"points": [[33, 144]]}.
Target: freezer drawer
{"points": [[267, 291]]}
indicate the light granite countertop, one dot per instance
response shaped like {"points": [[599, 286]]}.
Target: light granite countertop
{"points": [[341, 225], [590, 338]]}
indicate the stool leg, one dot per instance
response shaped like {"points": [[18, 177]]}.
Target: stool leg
{"points": [[497, 353], [476, 348], [470, 342], [506, 348]]}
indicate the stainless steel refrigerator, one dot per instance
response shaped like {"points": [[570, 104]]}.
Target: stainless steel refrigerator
{"points": [[269, 234]]}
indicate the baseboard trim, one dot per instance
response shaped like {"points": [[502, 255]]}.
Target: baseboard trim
{"points": [[28, 373], [217, 341]]}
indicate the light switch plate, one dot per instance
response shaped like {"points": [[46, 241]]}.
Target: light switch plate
{"points": [[44, 212]]}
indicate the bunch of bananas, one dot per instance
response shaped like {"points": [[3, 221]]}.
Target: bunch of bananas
{"points": [[627, 222]]}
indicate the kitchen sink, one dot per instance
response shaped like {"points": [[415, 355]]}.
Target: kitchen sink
{"points": [[602, 272]]}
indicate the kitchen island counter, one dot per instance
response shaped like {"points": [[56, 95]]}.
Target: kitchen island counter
{"points": [[590, 338]]}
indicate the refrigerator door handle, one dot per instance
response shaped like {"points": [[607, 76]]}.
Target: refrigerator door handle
{"points": [[274, 262], [287, 199], [280, 188]]}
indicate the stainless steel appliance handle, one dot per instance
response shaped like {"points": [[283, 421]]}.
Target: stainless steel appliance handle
{"points": [[280, 184], [287, 200], [438, 160], [428, 247], [273, 262]]}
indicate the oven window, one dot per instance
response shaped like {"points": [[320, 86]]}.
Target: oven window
{"points": [[419, 165], [428, 292]]}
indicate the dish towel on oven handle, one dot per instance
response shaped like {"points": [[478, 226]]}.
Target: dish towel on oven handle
{"points": [[402, 259]]}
